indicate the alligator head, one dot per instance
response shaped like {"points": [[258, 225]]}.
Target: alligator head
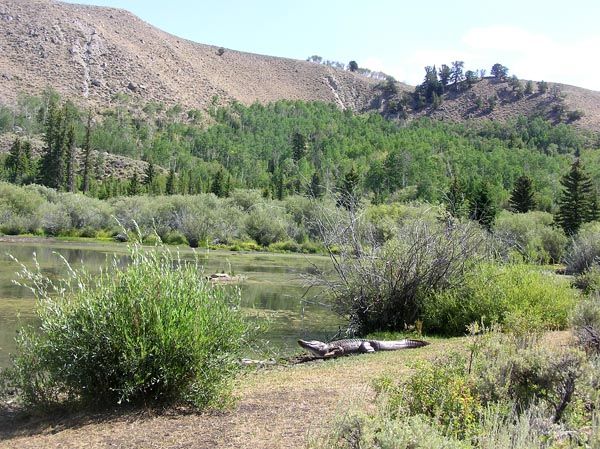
{"points": [[318, 348]]}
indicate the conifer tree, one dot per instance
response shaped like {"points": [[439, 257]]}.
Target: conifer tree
{"points": [[18, 162], [299, 146], [70, 159], [521, 199], [170, 186], [134, 185], [315, 189], [481, 206], [456, 199], [218, 185], [149, 174], [278, 185], [87, 159], [227, 189], [348, 195], [445, 73], [456, 74], [578, 200], [53, 161]]}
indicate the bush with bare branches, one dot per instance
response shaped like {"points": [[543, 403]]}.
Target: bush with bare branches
{"points": [[381, 285]]}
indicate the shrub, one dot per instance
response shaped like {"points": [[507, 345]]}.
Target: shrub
{"points": [[55, 219], [245, 199], [86, 212], [586, 323], [530, 234], [175, 238], [19, 209], [584, 250], [383, 286], [153, 333], [287, 246], [265, 225], [443, 391], [510, 392], [589, 280], [507, 294]]}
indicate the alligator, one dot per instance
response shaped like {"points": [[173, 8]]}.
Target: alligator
{"points": [[356, 346]]}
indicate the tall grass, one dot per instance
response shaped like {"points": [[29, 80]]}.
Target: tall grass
{"points": [[153, 332]]}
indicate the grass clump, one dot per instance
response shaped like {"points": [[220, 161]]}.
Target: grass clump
{"points": [[154, 332]]}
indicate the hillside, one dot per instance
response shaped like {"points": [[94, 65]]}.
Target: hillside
{"points": [[463, 105], [92, 53]]}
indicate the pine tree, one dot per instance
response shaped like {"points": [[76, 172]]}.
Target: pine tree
{"points": [[445, 72], [18, 162], [149, 176], [134, 185], [87, 160], [456, 74], [278, 185], [70, 159], [315, 189], [348, 196], [53, 164], [521, 199], [577, 202], [171, 187], [456, 199], [481, 206], [218, 187], [299, 146], [227, 189]]}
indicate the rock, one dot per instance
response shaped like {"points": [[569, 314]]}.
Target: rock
{"points": [[96, 82], [223, 277], [132, 86], [121, 237]]}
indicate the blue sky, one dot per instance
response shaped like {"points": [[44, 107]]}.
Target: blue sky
{"points": [[550, 40]]}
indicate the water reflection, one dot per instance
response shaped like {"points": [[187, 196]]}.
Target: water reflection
{"points": [[272, 290]]}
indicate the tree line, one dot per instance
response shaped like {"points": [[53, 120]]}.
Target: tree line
{"points": [[289, 147]]}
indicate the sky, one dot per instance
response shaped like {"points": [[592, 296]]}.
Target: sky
{"points": [[549, 40]]}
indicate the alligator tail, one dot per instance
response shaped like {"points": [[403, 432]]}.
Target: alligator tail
{"points": [[400, 344]]}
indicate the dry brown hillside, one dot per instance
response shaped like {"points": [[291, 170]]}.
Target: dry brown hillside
{"points": [[555, 104], [88, 52]]}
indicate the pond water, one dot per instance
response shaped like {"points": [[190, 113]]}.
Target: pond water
{"points": [[272, 289]]}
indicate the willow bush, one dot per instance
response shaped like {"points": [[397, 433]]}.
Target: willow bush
{"points": [[153, 332]]}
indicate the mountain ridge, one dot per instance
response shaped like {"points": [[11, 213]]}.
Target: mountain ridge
{"points": [[93, 54]]}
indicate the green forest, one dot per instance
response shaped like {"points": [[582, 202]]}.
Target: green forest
{"points": [[290, 147]]}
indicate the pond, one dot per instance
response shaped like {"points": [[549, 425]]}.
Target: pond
{"points": [[272, 289]]}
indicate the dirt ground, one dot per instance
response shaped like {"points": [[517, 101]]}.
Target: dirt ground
{"points": [[277, 408], [281, 407]]}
